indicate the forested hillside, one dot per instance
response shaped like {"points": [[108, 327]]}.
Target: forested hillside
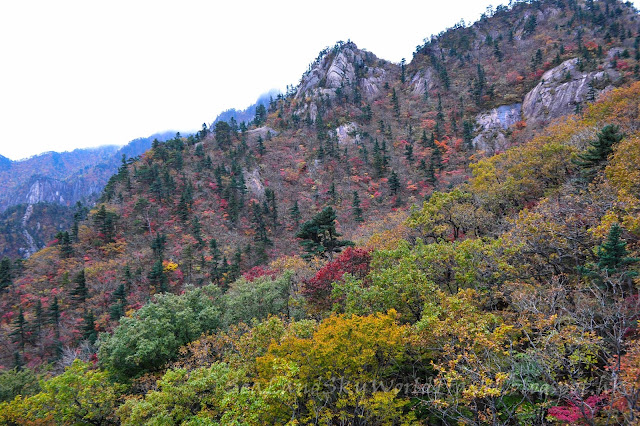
{"points": [[448, 240]]}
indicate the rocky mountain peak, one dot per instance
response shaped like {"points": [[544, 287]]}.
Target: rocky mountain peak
{"points": [[344, 68]]}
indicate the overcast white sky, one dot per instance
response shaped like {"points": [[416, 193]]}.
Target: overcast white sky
{"points": [[87, 73]]}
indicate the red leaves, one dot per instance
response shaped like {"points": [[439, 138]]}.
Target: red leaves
{"points": [[576, 411], [257, 272], [317, 290]]}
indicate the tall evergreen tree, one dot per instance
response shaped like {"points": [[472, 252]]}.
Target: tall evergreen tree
{"points": [[394, 182], [356, 210], [295, 215], [89, 327], [613, 252], [80, 292], [119, 297], [5, 273], [19, 332], [157, 278], [599, 150]]}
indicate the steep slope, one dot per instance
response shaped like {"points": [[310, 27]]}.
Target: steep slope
{"points": [[365, 136]]}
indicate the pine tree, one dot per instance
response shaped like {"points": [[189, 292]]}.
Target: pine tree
{"points": [[356, 210], [19, 332], [196, 230], [272, 207], [216, 274], [5, 273], [54, 315], [436, 158], [119, 296], [402, 70], [319, 236], [394, 182], [157, 278], [613, 252], [157, 245], [395, 102], [64, 242], [294, 214], [430, 171], [468, 134], [333, 194], [89, 328], [408, 152], [261, 148], [424, 141], [39, 317], [80, 292], [599, 150]]}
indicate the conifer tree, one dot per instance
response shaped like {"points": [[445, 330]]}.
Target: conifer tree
{"points": [[395, 102], [5, 273], [39, 317], [89, 327], [19, 332], [613, 252], [80, 292], [394, 182], [294, 214], [157, 278], [272, 207], [319, 236], [430, 171], [408, 152], [356, 210], [261, 148], [64, 242], [196, 230], [424, 141], [599, 150], [119, 304], [467, 134]]}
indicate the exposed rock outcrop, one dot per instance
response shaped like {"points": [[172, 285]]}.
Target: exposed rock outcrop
{"points": [[492, 125], [422, 81], [562, 88], [342, 68], [347, 134], [43, 189], [262, 131], [254, 183]]}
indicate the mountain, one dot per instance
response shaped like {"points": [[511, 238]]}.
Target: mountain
{"points": [[465, 224], [248, 113], [65, 178], [52, 183]]}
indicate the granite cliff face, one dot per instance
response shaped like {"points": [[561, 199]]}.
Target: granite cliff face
{"points": [[344, 67], [565, 88], [492, 127]]}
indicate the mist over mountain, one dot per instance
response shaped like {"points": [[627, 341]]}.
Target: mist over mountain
{"points": [[248, 113]]}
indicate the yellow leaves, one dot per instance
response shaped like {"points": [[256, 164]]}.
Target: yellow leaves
{"points": [[623, 174], [169, 266], [356, 347]]}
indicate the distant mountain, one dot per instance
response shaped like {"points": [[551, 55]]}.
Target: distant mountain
{"points": [[248, 113], [65, 177], [37, 195]]}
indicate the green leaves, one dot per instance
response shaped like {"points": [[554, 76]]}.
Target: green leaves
{"points": [[153, 335]]}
